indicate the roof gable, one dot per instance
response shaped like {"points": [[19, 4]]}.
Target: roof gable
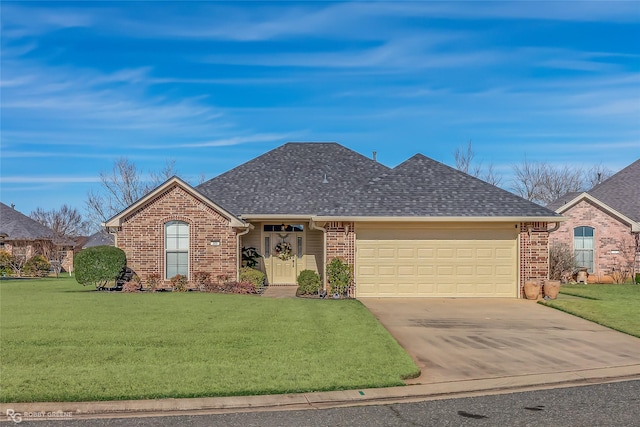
{"points": [[621, 191], [423, 187], [116, 220], [566, 206], [293, 179]]}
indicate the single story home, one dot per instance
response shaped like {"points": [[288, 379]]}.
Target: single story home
{"points": [[603, 226], [421, 229], [25, 237]]}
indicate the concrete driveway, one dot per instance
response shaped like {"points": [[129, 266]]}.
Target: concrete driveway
{"points": [[461, 339]]}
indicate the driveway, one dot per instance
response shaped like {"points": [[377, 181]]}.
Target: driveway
{"points": [[461, 339]]}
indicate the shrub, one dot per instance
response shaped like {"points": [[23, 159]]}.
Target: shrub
{"points": [[340, 276], [202, 280], [153, 281], [5, 262], [252, 275], [179, 283], [131, 286], [37, 266], [561, 262], [250, 257], [242, 288], [308, 282], [99, 265]]}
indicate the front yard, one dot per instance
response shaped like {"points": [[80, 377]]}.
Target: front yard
{"points": [[614, 306], [62, 342]]}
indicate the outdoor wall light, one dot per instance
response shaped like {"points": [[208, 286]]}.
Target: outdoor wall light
{"points": [[215, 242]]}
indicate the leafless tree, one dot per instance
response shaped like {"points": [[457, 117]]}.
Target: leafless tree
{"points": [[596, 175], [122, 186], [543, 183], [65, 222], [464, 162]]}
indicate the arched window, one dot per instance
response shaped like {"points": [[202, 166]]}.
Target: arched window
{"points": [[176, 248], [583, 247]]}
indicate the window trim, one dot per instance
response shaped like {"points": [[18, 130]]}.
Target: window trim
{"points": [[167, 251], [592, 250]]}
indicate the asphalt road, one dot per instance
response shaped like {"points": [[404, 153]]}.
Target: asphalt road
{"points": [[613, 404]]}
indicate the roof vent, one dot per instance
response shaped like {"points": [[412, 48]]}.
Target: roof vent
{"points": [[375, 155], [325, 181]]}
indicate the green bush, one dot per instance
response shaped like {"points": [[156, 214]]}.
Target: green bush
{"points": [[251, 275], [340, 276], [99, 265], [5, 263], [37, 266], [308, 282]]}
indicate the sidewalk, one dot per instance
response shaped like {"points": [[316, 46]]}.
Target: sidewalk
{"points": [[332, 399]]}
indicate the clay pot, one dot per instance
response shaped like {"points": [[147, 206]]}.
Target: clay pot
{"points": [[551, 288], [532, 289]]}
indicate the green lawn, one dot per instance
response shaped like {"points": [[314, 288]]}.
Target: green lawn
{"points": [[614, 306], [62, 342]]}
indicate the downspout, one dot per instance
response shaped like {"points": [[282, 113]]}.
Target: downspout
{"points": [[551, 230], [314, 226], [239, 249]]}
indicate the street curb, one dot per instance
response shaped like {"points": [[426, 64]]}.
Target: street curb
{"points": [[331, 399]]}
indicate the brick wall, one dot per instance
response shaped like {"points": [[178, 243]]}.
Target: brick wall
{"points": [[142, 236], [609, 235], [534, 252], [341, 241]]}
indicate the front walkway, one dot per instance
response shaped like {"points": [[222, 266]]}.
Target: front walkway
{"points": [[470, 339], [280, 291]]}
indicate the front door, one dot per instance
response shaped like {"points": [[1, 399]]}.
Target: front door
{"points": [[283, 251]]}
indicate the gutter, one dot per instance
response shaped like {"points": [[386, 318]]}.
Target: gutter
{"points": [[239, 249]]}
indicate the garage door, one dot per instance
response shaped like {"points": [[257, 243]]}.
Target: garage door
{"points": [[436, 261]]}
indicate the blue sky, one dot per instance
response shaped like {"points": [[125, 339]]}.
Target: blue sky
{"points": [[214, 84]]}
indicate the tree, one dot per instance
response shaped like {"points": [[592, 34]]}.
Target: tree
{"points": [[464, 163], [65, 222], [543, 183], [121, 187], [99, 265]]}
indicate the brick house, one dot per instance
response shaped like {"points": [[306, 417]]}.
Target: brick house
{"points": [[603, 226], [24, 237], [419, 229]]}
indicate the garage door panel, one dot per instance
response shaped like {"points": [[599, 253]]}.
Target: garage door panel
{"points": [[441, 263]]}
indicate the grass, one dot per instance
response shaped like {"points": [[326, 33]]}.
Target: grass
{"points": [[62, 342], [614, 306]]}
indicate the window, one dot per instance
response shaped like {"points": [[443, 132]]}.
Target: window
{"points": [[176, 244], [296, 228], [300, 249], [267, 247], [583, 247]]}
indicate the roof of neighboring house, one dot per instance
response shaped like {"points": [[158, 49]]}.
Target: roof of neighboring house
{"points": [[327, 179], [563, 200], [622, 191], [423, 187], [15, 225], [290, 180], [99, 238]]}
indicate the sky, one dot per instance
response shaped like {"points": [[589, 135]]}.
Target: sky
{"points": [[212, 85]]}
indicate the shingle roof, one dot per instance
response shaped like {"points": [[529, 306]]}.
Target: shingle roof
{"points": [[563, 200], [99, 238], [289, 180], [424, 187], [18, 226], [622, 191]]}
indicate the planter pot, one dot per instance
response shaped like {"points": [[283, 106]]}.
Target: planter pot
{"points": [[551, 288], [531, 289]]}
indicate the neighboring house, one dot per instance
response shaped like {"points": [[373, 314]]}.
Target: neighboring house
{"points": [[99, 238], [603, 226], [25, 237], [420, 229]]}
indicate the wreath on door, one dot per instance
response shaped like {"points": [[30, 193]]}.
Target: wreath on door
{"points": [[283, 251]]}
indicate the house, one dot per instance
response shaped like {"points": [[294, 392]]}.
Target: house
{"points": [[419, 229], [603, 226], [25, 237]]}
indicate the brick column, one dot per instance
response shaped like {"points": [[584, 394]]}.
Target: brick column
{"points": [[341, 241], [534, 252]]}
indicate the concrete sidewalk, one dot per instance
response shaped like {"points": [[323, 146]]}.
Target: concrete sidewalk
{"points": [[332, 399]]}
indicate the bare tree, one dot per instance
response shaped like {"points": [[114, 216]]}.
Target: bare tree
{"points": [[543, 183], [65, 222], [464, 163], [122, 186]]}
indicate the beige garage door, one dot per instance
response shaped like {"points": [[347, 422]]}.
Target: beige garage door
{"points": [[436, 261]]}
